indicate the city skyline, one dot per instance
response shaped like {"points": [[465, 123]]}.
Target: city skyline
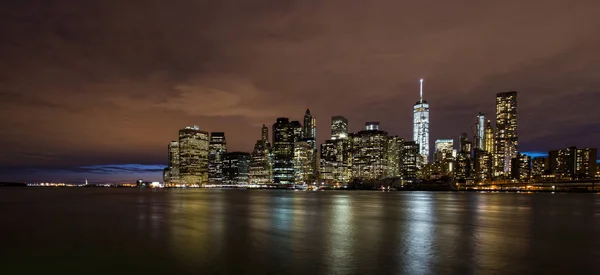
{"points": [[88, 91]]}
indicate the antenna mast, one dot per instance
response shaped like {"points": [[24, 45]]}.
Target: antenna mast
{"points": [[421, 92]]}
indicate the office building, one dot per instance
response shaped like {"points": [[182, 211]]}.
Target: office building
{"points": [[507, 140], [394, 149], [236, 168], [304, 161], [335, 161], [260, 168], [310, 127], [409, 157], [480, 131], [284, 136], [171, 173], [573, 163], [489, 139], [521, 168], [421, 127], [539, 167], [339, 127], [193, 156], [217, 147], [369, 154]]}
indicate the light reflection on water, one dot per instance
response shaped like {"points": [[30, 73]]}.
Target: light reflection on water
{"points": [[287, 232]]}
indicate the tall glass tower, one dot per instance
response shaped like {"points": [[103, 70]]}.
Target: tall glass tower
{"points": [[480, 131], [507, 140], [421, 127]]}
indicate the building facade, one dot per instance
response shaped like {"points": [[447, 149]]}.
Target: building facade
{"points": [[193, 156], [507, 140], [236, 168], [339, 127], [421, 127], [284, 136], [217, 147]]}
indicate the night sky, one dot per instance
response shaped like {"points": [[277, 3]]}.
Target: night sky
{"points": [[97, 89]]}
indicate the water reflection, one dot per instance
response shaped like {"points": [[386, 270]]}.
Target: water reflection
{"points": [[285, 232], [419, 238]]}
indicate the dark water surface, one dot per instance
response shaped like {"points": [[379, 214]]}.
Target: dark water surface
{"points": [[133, 231]]}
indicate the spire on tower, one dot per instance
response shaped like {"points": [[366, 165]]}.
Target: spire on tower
{"points": [[421, 92]]}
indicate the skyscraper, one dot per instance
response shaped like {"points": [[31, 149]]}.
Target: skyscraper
{"points": [[304, 161], [444, 157], [260, 169], [310, 128], [507, 140], [421, 126], [265, 133], [217, 147], [193, 156], [284, 135], [171, 174], [335, 161], [369, 154], [488, 140], [235, 168], [408, 157], [297, 130], [339, 127], [480, 131]]}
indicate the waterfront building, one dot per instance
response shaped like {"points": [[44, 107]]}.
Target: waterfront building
{"points": [[521, 167], [394, 149], [573, 163], [421, 126], [236, 168], [507, 140], [339, 127], [171, 173], [193, 156], [217, 147], [409, 157], [260, 168], [304, 161], [335, 161], [284, 136], [369, 153]]}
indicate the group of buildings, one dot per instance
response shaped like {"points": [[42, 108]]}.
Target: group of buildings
{"points": [[292, 156]]}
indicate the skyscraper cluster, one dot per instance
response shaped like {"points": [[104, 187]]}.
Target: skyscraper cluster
{"points": [[292, 155]]}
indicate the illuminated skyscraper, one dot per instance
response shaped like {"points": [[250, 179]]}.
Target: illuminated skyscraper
{"points": [[304, 161], [488, 140], [193, 156], [235, 168], [284, 135], [297, 130], [260, 168], [394, 150], [339, 127], [421, 127], [480, 131], [444, 148], [464, 161], [217, 147], [369, 154], [507, 140]]}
